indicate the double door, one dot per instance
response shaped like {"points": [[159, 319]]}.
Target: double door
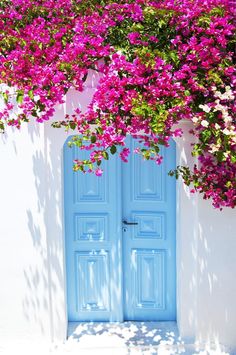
{"points": [[120, 239]]}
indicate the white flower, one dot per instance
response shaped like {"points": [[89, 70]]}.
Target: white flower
{"points": [[219, 107], [226, 131], [217, 126], [217, 94], [195, 119], [205, 108], [227, 95], [226, 154], [36, 97], [214, 148], [205, 123], [226, 117]]}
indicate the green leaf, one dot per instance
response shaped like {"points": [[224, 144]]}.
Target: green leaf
{"points": [[34, 114], [99, 130], [174, 173], [220, 156], [93, 139], [174, 57], [205, 135], [217, 11], [19, 97], [187, 93], [64, 41], [113, 149], [78, 143], [157, 149], [233, 158], [73, 125], [5, 97], [161, 23], [2, 128], [105, 155], [31, 94], [228, 184]]}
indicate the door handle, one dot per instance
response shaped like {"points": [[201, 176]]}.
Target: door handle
{"points": [[130, 223]]}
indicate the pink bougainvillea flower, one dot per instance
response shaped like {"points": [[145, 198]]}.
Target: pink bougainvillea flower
{"points": [[98, 172], [159, 63]]}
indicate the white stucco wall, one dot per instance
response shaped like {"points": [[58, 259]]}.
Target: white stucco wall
{"points": [[32, 270], [24, 295], [216, 275], [206, 264]]}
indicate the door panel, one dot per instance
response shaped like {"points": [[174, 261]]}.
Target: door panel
{"points": [[148, 199], [148, 286], [93, 241], [92, 277]]}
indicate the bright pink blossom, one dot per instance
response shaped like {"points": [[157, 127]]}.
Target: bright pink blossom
{"points": [[160, 62]]}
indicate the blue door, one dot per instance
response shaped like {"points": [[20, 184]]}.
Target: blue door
{"points": [[148, 200], [93, 243], [116, 270]]}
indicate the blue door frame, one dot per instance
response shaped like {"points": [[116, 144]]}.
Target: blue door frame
{"points": [[118, 271]]}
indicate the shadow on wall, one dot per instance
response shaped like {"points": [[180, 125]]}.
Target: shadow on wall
{"points": [[216, 269], [186, 246], [36, 301], [45, 281], [46, 230], [206, 247]]}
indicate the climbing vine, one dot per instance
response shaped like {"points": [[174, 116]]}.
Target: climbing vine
{"points": [[160, 62]]}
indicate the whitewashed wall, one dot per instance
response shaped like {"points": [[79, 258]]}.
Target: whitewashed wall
{"points": [[216, 275], [206, 264], [32, 270], [24, 273]]}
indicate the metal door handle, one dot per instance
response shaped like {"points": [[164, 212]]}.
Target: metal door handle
{"points": [[130, 223]]}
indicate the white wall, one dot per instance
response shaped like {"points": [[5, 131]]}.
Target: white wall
{"points": [[54, 142], [206, 264], [186, 243], [24, 273], [216, 275], [32, 271]]}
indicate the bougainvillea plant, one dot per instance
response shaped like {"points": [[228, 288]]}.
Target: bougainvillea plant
{"points": [[160, 62]]}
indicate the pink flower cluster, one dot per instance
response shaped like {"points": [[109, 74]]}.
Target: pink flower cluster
{"points": [[160, 62]]}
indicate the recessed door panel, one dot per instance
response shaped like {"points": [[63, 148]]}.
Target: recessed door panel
{"points": [[92, 283]]}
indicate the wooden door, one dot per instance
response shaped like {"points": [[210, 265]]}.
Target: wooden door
{"points": [[117, 270]]}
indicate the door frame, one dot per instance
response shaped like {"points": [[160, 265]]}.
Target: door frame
{"points": [[118, 308], [186, 221]]}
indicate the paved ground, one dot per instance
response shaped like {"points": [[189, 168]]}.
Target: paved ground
{"points": [[129, 338]]}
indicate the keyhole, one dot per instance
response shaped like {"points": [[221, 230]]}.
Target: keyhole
{"points": [[124, 229]]}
